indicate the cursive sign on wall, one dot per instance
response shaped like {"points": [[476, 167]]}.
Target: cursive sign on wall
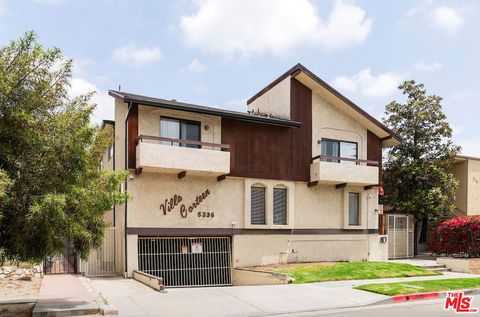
{"points": [[170, 204]]}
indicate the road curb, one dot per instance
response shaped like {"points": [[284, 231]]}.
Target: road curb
{"points": [[424, 296]]}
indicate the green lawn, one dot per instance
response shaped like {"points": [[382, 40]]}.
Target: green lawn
{"points": [[309, 273], [421, 286]]}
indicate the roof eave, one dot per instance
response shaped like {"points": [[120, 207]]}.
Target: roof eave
{"points": [[220, 113]]}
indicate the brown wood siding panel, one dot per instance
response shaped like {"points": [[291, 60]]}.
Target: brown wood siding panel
{"points": [[132, 128], [273, 152], [301, 141], [374, 151]]}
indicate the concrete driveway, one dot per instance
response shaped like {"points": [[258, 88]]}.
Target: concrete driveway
{"points": [[134, 299]]}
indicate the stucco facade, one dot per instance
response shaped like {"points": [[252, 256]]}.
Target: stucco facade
{"points": [[466, 170], [187, 192]]}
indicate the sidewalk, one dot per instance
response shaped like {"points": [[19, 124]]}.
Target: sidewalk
{"points": [[66, 295], [135, 299]]}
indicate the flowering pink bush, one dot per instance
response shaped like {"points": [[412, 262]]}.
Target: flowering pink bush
{"points": [[457, 236]]}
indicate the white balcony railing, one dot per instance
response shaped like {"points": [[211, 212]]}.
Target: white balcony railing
{"points": [[333, 170], [166, 156]]}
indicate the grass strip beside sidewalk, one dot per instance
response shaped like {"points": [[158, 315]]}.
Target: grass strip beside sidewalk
{"points": [[310, 273], [426, 286]]}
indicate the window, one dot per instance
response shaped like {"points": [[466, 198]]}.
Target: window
{"points": [[100, 165], [257, 206], [353, 209], [339, 149], [279, 206], [180, 129], [110, 151]]}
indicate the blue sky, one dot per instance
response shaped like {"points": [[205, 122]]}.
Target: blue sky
{"points": [[221, 52]]}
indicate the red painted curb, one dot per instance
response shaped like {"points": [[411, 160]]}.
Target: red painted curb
{"points": [[408, 297]]}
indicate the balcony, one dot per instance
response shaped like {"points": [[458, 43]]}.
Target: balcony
{"points": [[164, 155], [337, 170]]}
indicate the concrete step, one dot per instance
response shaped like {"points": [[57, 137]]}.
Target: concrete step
{"points": [[432, 266], [440, 269]]}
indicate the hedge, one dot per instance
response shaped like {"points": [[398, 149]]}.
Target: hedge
{"points": [[458, 236]]}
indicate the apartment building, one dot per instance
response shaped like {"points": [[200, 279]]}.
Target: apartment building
{"points": [[294, 178]]}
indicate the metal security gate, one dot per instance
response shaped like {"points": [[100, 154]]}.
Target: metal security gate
{"points": [[400, 236], [63, 263], [101, 261], [187, 261]]}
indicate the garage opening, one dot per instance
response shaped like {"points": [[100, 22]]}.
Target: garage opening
{"points": [[187, 261]]}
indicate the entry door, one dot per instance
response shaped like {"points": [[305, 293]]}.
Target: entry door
{"points": [[187, 261]]}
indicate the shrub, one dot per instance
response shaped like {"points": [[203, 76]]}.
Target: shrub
{"points": [[457, 236]]}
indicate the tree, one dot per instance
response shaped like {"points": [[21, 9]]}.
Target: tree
{"points": [[415, 172], [49, 152]]}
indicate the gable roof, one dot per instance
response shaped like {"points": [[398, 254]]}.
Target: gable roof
{"points": [[316, 84], [182, 106]]}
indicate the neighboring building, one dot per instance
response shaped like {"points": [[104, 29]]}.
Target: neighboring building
{"points": [[466, 170], [295, 178]]}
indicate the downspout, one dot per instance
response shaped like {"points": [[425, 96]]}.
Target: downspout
{"points": [[126, 185], [114, 210], [114, 207]]}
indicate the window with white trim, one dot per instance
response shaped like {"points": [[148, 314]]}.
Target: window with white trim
{"points": [[279, 206], [353, 209], [257, 208]]}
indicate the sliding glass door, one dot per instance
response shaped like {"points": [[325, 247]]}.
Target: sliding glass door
{"points": [[337, 148], [180, 129]]}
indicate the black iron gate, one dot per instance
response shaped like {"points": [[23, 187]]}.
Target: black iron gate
{"points": [[188, 261], [65, 262]]}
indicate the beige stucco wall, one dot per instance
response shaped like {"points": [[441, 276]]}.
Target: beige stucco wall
{"points": [[330, 122], [467, 172], [120, 115], [149, 122], [334, 173], [252, 250], [174, 159], [319, 207], [275, 101], [473, 204], [459, 171]]}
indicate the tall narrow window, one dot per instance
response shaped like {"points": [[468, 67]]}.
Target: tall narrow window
{"points": [[279, 206], [110, 151], [257, 216], [339, 149], [180, 129], [353, 209]]}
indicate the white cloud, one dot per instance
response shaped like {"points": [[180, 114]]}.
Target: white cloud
{"points": [[132, 55], [446, 19], [250, 27], [104, 109], [378, 86], [195, 66], [427, 67]]}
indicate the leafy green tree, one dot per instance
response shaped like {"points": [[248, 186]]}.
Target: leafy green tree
{"points": [[49, 152], [415, 172]]}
